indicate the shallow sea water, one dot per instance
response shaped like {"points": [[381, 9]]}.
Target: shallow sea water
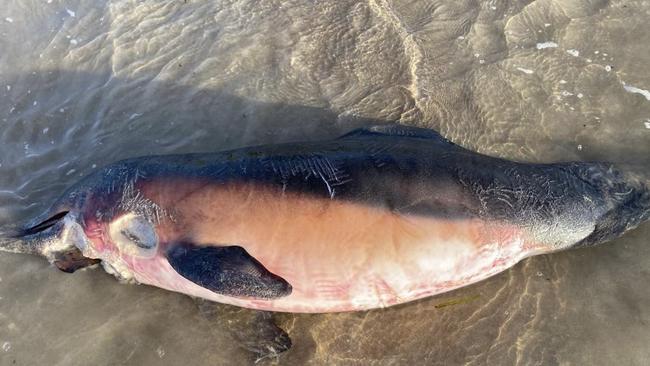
{"points": [[85, 83]]}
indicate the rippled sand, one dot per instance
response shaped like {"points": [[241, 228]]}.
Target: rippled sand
{"points": [[85, 83]]}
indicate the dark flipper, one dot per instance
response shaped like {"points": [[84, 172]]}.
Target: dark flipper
{"points": [[254, 331], [229, 271]]}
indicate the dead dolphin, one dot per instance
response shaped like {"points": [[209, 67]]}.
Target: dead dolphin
{"points": [[380, 216]]}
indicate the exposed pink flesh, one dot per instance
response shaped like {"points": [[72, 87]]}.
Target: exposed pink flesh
{"points": [[337, 255]]}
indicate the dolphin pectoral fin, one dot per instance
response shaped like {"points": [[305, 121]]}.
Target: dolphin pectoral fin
{"points": [[227, 270], [253, 330], [393, 129]]}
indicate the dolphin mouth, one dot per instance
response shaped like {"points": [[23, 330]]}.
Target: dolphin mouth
{"points": [[45, 224], [56, 237], [33, 238]]}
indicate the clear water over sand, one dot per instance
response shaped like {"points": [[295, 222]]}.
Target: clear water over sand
{"points": [[86, 83]]}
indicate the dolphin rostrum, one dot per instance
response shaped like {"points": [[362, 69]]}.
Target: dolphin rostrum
{"points": [[380, 216]]}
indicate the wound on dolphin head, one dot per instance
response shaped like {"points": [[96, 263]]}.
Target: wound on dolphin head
{"points": [[72, 260], [228, 270]]}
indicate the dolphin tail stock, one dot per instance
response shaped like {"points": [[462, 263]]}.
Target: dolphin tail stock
{"points": [[635, 172], [626, 191], [637, 177]]}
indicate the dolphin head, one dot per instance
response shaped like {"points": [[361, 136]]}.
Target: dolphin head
{"points": [[57, 234], [59, 238], [99, 219]]}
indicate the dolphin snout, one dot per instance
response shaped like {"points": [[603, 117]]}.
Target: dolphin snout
{"points": [[47, 237]]}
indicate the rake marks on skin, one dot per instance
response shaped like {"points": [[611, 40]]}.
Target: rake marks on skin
{"points": [[330, 173], [133, 200]]}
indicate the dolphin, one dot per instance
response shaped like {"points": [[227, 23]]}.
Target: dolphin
{"points": [[377, 217]]}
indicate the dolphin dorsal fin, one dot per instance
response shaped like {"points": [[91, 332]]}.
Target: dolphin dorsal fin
{"points": [[393, 129]]}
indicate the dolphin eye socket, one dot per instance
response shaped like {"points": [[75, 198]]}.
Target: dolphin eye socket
{"points": [[139, 242], [134, 235]]}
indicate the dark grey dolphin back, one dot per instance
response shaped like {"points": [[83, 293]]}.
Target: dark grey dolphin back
{"points": [[537, 196], [397, 131], [403, 169]]}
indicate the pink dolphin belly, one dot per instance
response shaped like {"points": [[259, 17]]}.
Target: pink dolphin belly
{"points": [[337, 255]]}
